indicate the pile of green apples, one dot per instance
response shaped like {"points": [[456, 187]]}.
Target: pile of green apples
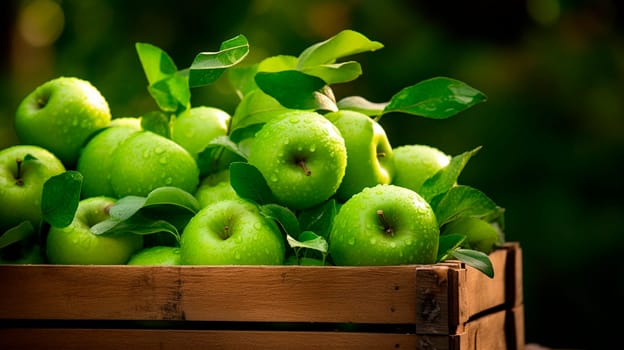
{"points": [[292, 176]]}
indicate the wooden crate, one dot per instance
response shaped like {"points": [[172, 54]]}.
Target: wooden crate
{"points": [[441, 306]]}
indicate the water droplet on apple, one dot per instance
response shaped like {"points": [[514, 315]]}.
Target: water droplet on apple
{"points": [[159, 150], [351, 241], [273, 178], [162, 161], [168, 181], [392, 245], [237, 256], [146, 154], [313, 148], [373, 241], [74, 122], [294, 120]]}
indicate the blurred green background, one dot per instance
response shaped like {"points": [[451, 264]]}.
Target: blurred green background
{"points": [[552, 129]]}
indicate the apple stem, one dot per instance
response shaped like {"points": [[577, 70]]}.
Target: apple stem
{"points": [[387, 227], [226, 231], [303, 166], [18, 178]]}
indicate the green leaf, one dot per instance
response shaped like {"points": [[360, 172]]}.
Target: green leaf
{"points": [[319, 219], [207, 67], [157, 64], [335, 73], [308, 240], [17, 233], [297, 90], [446, 177], [172, 94], [462, 201], [284, 217], [172, 196], [60, 197], [448, 243], [476, 259], [156, 122], [138, 225], [208, 158], [437, 98], [242, 79], [345, 43], [126, 206], [278, 63], [249, 183], [255, 108], [362, 105]]}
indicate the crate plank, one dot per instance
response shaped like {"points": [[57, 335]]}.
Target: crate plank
{"points": [[102, 339]]}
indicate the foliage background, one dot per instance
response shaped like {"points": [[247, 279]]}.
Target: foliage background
{"points": [[552, 129]]}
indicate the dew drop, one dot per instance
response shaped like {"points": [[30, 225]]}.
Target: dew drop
{"points": [[351, 241], [162, 161]]}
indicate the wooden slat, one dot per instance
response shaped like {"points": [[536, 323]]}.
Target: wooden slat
{"points": [[103, 339], [236, 293]]}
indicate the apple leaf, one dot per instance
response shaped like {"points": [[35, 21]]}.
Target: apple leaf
{"points": [[446, 177], [362, 105], [437, 98], [137, 224], [336, 72], [242, 79], [448, 243], [17, 233], [157, 64], [255, 108], [172, 196], [319, 219], [172, 94], [156, 122], [475, 259], [308, 240], [207, 67], [462, 201], [249, 183], [345, 43], [60, 197], [284, 217], [297, 90], [126, 206]]}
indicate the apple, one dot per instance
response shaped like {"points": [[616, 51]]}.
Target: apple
{"points": [[416, 163], [60, 115], [231, 232], [480, 234], [95, 160], [369, 153], [302, 156], [22, 253], [215, 187], [157, 255], [197, 126], [384, 225], [75, 244], [21, 183], [146, 160]]}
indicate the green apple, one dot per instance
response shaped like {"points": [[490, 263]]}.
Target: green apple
{"points": [[302, 156], [416, 163], [21, 183], [196, 127], [214, 188], [480, 234], [369, 153], [75, 244], [60, 115], [157, 255], [384, 225], [231, 232], [96, 158], [145, 161]]}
